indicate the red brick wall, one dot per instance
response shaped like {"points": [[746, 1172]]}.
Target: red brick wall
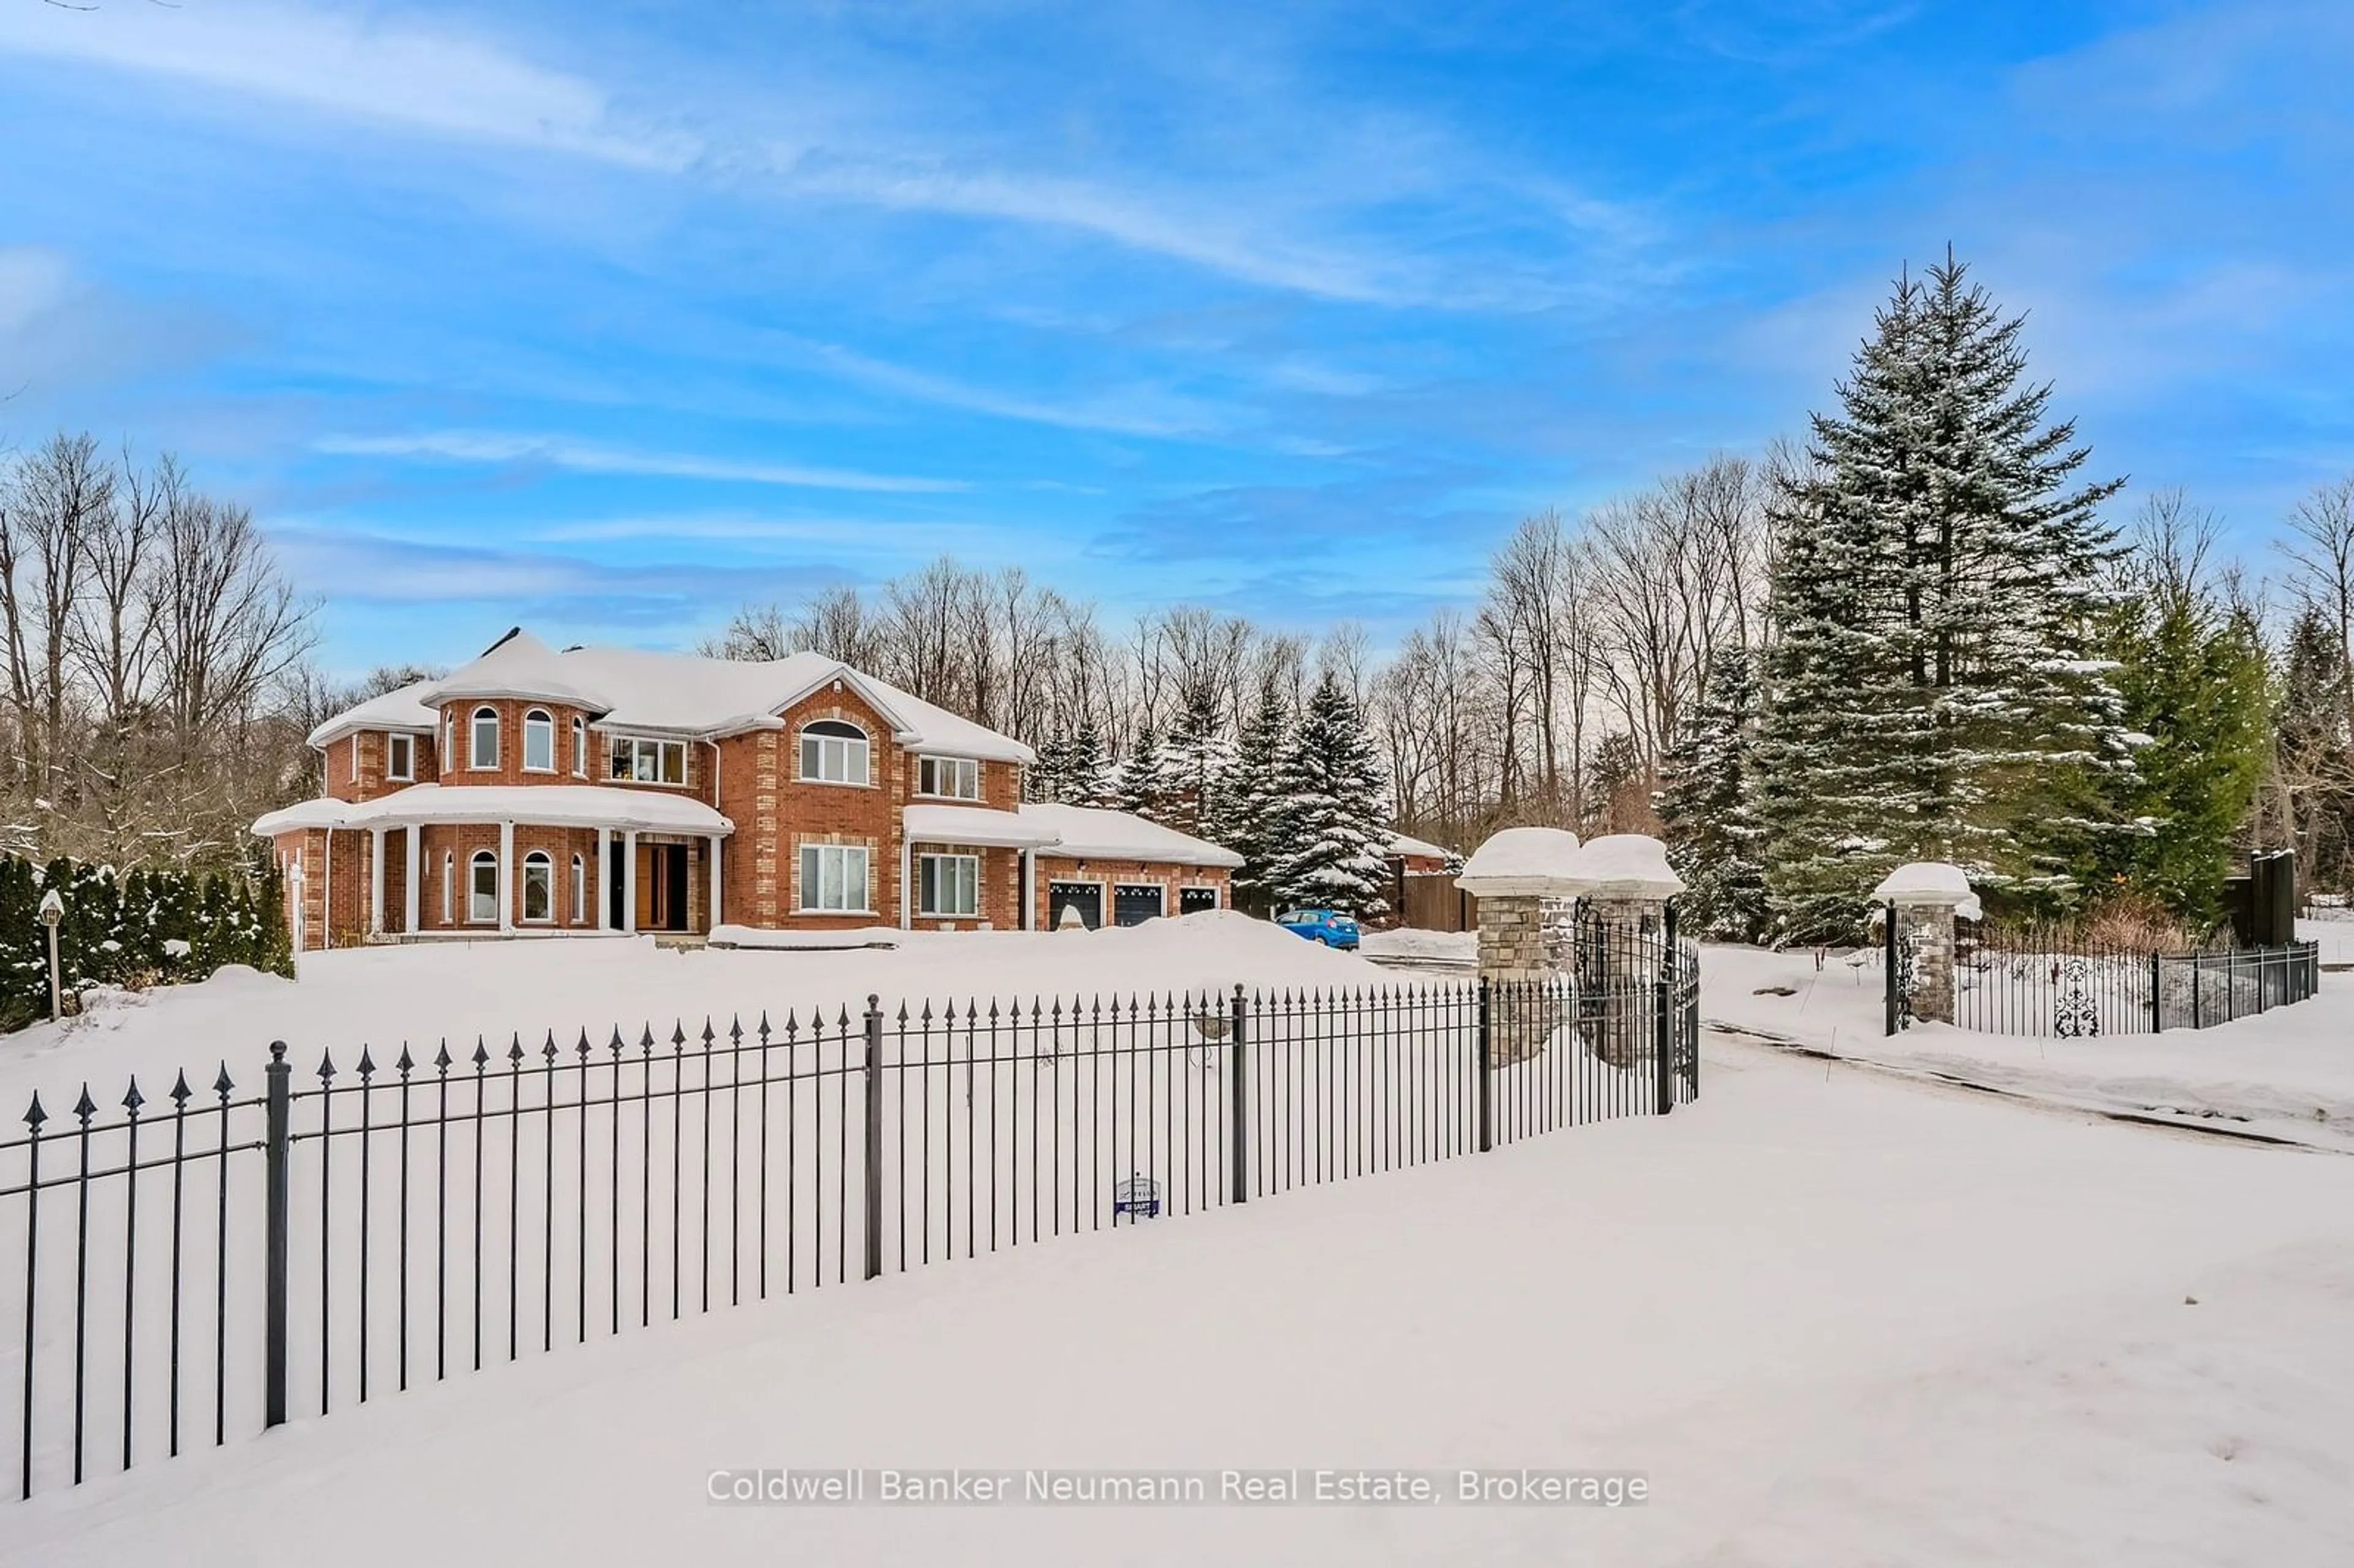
{"points": [[510, 769], [371, 744], [775, 811]]}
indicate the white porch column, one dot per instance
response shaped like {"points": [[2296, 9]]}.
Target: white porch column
{"points": [[414, 863], [711, 923], [376, 882], [1029, 890], [506, 876], [327, 893], [604, 872], [630, 881], [906, 888]]}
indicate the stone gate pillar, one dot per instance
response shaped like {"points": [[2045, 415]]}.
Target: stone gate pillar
{"points": [[1520, 877], [1925, 898]]}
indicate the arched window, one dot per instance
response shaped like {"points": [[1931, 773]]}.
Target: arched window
{"points": [[580, 747], [833, 752], [482, 888], [579, 891], [485, 753], [538, 741], [538, 887]]}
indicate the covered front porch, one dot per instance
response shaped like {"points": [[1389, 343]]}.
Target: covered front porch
{"points": [[469, 862]]}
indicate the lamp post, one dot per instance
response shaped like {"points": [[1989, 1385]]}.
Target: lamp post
{"points": [[53, 909]]}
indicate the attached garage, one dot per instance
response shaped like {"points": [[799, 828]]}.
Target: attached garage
{"points": [[1193, 900], [1086, 898], [1134, 903]]}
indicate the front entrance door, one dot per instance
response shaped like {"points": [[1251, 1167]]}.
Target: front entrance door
{"points": [[662, 887]]}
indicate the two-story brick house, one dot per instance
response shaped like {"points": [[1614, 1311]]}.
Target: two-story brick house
{"points": [[602, 790]]}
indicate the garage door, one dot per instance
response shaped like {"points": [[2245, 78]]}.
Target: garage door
{"points": [[1132, 903], [1190, 899], [1086, 898]]}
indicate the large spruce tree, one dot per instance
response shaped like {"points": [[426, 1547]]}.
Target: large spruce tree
{"points": [[1327, 828], [1936, 691], [1714, 839]]}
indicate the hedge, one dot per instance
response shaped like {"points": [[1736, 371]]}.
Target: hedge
{"points": [[139, 928]]}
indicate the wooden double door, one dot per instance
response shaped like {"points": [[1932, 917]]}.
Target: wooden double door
{"points": [[662, 872]]}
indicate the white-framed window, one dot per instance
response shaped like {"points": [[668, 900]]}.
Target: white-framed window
{"points": [[482, 888], [580, 747], [400, 758], [833, 752], [538, 887], [954, 778], [538, 741], [449, 877], [833, 878], [948, 884], [642, 761], [579, 891], [485, 739]]}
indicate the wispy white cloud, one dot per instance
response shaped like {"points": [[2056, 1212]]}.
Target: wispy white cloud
{"points": [[557, 452], [432, 78], [864, 535], [1131, 410]]}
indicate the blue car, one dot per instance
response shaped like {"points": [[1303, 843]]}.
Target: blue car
{"points": [[1328, 926]]}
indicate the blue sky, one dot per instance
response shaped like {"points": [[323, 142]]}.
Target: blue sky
{"points": [[606, 317]]}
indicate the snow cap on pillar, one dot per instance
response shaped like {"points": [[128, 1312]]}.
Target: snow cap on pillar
{"points": [[1627, 867], [1932, 885], [1522, 863]]}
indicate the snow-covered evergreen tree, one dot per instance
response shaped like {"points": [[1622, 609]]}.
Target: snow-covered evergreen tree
{"points": [[1327, 824], [1714, 839], [1258, 782], [1141, 783], [1049, 778], [1198, 768], [1937, 692]]}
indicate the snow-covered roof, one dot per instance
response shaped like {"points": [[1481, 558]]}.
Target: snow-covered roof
{"points": [[1627, 865], [1088, 832], [1929, 882], [1404, 845], [976, 825], [1522, 863], [681, 693], [403, 708], [548, 805]]}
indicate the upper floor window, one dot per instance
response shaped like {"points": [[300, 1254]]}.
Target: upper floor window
{"points": [[833, 752], [958, 778], [579, 746], [400, 758], [538, 741], [485, 753], [642, 761]]}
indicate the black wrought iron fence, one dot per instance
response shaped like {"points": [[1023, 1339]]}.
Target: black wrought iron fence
{"points": [[2059, 985], [361, 1227]]}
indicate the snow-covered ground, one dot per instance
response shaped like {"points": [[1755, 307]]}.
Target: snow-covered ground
{"points": [[1404, 948], [1832, 1313], [2286, 1073], [430, 991]]}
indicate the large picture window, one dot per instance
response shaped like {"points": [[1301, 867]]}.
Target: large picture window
{"points": [[833, 878], [486, 752], [833, 752], [956, 777], [482, 888], [642, 761], [538, 741], [948, 883]]}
